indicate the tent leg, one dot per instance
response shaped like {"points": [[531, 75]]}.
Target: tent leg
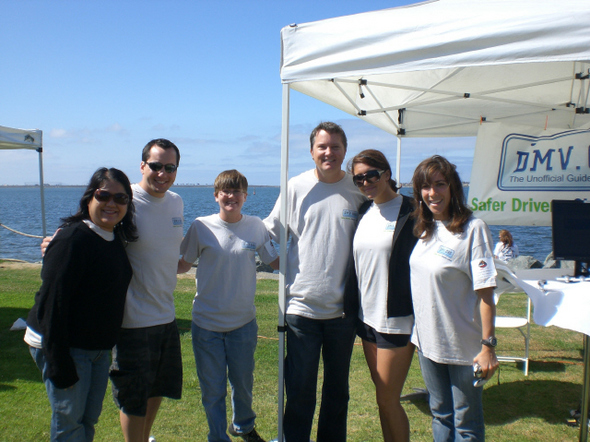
{"points": [[42, 184], [398, 165], [283, 256], [585, 392]]}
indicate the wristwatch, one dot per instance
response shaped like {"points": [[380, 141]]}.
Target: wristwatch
{"points": [[490, 342]]}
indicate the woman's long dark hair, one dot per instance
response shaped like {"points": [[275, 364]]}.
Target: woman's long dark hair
{"points": [[125, 229], [373, 158], [459, 213]]}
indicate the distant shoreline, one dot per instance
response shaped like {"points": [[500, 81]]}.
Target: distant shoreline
{"points": [[61, 186], [58, 186]]}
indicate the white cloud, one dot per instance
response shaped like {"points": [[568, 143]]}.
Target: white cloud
{"points": [[58, 133]]}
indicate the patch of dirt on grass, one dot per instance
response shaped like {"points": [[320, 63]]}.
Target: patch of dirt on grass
{"points": [[15, 264]]}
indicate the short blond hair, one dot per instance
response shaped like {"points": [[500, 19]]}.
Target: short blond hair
{"points": [[230, 179]]}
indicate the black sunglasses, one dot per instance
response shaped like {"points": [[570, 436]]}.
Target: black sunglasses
{"points": [[104, 197], [372, 176], [156, 166]]}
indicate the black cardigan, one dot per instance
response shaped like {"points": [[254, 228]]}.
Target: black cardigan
{"points": [[399, 295], [81, 300]]}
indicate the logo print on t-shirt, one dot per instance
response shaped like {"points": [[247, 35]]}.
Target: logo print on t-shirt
{"points": [[350, 214], [482, 264], [177, 221], [445, 252]]}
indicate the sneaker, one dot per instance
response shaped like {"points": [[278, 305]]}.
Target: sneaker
{"points": [[252, 436], [152, 439]]}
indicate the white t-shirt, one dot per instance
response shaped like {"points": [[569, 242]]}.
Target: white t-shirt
{"points": [[322, 219], [445, 272], [154, 258], [372, 250], [226, 274], [504, 252]]}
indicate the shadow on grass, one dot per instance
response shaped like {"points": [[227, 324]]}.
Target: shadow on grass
{"points": [[544, 366], [512, 401], [184, 326], [545, 399], [420, 402]]}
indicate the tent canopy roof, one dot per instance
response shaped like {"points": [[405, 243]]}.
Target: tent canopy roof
{"points": [[440, 68], [11, 138]]}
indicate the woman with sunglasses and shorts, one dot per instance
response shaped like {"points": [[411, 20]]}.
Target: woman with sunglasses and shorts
{"points": [[78, 310], [379, 283]]}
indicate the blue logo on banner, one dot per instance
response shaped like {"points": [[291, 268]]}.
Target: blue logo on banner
{"points": [[560, 162]]}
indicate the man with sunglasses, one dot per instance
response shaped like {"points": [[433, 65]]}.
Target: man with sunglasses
{"points": [[323, 213], [147, 362]]}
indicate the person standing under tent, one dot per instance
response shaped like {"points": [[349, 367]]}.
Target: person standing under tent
{"points": [[378, 286], [452, 279], [322, 218], [224, 328]]}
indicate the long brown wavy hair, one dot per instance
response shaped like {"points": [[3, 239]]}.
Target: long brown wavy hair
{"points": [[506, 238], [459, 213]]}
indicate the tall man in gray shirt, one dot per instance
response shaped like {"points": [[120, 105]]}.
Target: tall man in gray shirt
{"points": [[323, 213]]}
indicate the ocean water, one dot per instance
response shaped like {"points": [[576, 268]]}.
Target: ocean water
{"points": [[20, 209]]}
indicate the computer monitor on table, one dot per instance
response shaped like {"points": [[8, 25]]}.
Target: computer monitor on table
{"points": [[571, 233]]}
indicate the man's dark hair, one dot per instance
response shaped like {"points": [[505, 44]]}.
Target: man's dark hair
{"points": [[331, 128], [162, 143]]}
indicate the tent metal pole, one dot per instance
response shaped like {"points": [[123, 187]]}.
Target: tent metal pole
{"points": [[398, 165], [42, 184], [283, 255], [585, 392]]}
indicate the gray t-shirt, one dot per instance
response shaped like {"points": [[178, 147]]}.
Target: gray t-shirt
{"points": [[322, 219], [226, 274], [154, 258]]}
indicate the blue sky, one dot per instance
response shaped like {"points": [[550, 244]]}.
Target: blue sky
{"points": [[101, 78]]}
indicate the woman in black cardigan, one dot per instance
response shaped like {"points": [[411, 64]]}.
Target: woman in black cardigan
{"points": [[378, 289], [79, 308]]}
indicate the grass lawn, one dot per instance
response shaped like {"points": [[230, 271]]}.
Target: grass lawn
{"points": [[517, 408]]}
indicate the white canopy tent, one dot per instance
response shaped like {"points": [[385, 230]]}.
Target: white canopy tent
{"points": [[32, 139], [441, 68]]}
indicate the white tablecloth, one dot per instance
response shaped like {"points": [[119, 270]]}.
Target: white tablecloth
{"points": [[565, 305]]}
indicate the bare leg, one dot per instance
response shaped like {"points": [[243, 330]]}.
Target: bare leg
{"points": [[138, 428], [389, 368]]}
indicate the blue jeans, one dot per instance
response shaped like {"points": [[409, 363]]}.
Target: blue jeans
{"points": [[456, 405], [306, 340], [75, 410], [219, 356]]}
